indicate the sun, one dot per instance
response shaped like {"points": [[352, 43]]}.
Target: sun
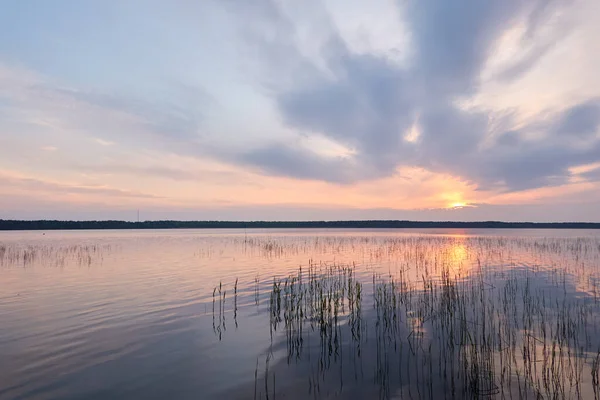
{"points": [[454, 200]]}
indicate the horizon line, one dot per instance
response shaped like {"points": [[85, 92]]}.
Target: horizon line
{"points": [[45, 224], [295, 221]]}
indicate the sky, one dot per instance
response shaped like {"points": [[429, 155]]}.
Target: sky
{"points": [[300, 109]]}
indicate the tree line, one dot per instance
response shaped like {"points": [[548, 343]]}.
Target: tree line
{"points": [[359, 224]]}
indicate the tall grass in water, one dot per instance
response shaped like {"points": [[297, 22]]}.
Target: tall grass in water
{"points": [[48, 255], [434, 329], [220, 327]]}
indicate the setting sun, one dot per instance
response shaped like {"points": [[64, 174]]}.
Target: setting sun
{"points": [[458, 204]]}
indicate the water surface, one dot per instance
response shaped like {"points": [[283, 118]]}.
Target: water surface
{"points": [[347, 314]]}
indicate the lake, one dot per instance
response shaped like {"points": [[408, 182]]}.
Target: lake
{"points": [[297, 314]]}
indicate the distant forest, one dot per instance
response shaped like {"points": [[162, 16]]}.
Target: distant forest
{"points": [[7, 225]]}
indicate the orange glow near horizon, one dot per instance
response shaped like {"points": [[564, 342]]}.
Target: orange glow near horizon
{"points": [[410, 188]]}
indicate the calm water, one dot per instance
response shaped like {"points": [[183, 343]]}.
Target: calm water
{"points": [[299, 314]]}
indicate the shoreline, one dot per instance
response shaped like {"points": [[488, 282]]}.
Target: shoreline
{"points": [[50, 225]]}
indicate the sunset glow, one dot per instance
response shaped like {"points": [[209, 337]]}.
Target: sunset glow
{"points": [[303, 110]]}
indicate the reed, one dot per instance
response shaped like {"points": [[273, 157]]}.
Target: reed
{"points": [[433, 329]]}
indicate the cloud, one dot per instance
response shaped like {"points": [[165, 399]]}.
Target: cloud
{"points": [[39, 185], [581, 120], [520, 67], [514, 161], [367, 108], [177, 118], [592, 175], [221, 177], [304, 164], [174, 119], [368, 103], [453, 39], [103, 142]]}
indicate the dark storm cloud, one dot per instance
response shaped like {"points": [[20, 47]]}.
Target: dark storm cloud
{"points": [[367, 103]]}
